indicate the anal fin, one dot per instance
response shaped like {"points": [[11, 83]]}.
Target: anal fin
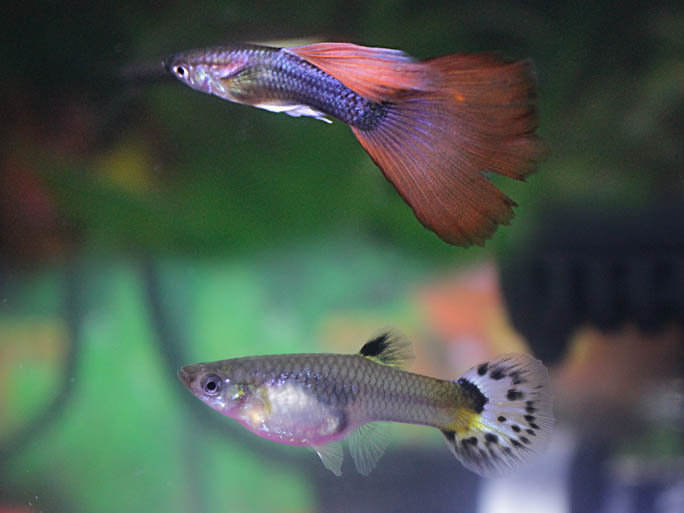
{"points": [[367, 445]]}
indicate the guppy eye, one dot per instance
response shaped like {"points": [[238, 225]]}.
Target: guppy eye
{"points": [[180, 71], [211, 385]]}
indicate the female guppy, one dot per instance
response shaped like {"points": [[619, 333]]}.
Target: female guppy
{"points": [[492, 417], [433, 127]]}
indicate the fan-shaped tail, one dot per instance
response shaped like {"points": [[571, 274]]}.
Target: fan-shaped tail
{"points": [[448, 121], [515, 417]]}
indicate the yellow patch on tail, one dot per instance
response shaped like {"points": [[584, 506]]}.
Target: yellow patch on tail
{"points": [[511, 418], [465, 421]]}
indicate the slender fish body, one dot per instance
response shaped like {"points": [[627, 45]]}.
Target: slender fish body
{"points": [[433, 127], [274, 80], [491, 418]]}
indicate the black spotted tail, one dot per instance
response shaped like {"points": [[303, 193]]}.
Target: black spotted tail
{"points": [[510, 416]]}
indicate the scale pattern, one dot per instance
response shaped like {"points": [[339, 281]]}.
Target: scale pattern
{"points": [[276, 75], [358, 388]]}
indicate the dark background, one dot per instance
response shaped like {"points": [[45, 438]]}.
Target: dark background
{"points": [[144, 225]]}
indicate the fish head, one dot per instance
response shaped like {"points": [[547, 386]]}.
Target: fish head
{"points": [[205, 70], [214, 385]]}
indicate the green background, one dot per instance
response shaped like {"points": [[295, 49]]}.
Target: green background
{"points": [[145, 225]]}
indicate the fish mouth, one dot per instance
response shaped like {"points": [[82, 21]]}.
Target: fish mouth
{"points": [[185, 376], [166, 63], [170, 62]]}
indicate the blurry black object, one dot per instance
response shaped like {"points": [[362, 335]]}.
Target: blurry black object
{"points": [[588, 267], [588, 482], [599, 268]]}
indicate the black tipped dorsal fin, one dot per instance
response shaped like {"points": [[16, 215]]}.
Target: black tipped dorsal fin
{"points": [[388, 349]]}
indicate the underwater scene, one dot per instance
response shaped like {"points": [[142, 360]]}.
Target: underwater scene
{"points": [[382, 256]]}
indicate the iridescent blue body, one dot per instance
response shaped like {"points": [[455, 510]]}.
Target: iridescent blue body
{"points": [[270, 78], [433, 127]]}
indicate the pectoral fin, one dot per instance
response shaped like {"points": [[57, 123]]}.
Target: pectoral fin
{"points": [[294, 110], [332, 456]]}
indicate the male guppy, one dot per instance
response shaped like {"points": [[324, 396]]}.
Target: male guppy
{"points": [[433, 127], [492, 417]]}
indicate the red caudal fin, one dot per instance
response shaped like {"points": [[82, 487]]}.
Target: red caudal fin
{"points": [[448, 121], [435, 145]]}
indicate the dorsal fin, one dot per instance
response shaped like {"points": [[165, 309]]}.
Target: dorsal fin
{"points": [[374, 73], [388, 349]]}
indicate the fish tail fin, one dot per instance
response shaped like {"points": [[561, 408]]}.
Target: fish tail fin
{"points": [[446, 122], [509, 416], [435, 145]]}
